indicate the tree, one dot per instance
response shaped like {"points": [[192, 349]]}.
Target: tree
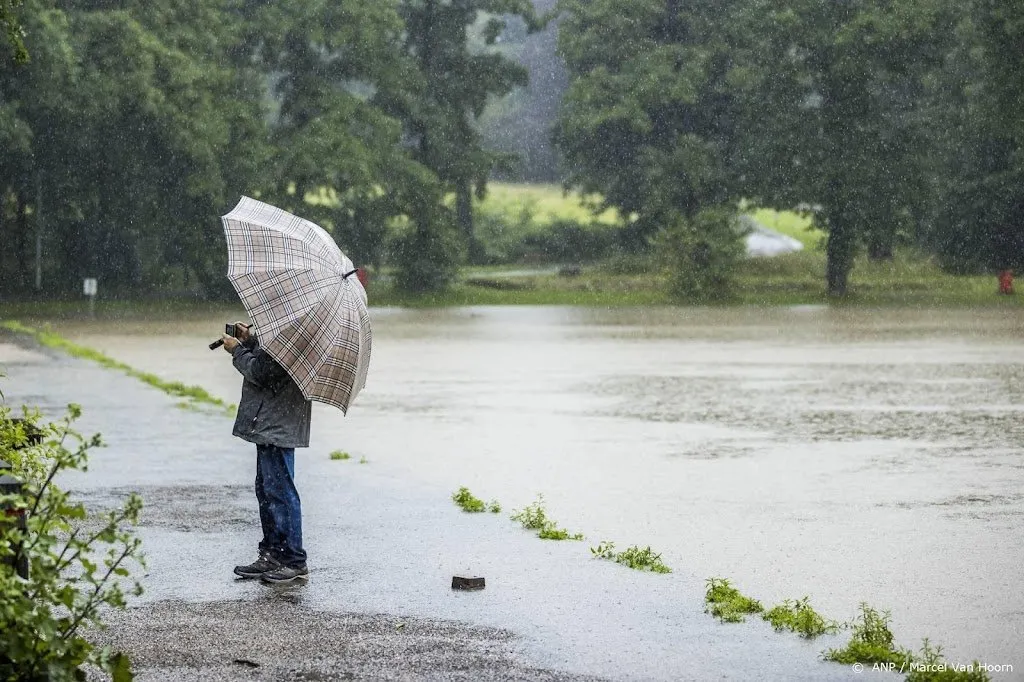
{"points": [[831, 116], [451, 87], [978, 223], [648, 121], [135, 129], [339, 157], [11, 29]]}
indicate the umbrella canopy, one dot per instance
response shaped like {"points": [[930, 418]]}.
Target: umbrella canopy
{"points": [[296, 284]]}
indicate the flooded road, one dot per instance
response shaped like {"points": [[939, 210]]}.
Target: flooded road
{"points": [[847, 455]]}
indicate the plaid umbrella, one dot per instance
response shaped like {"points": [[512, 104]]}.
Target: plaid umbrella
{"points": [[296, 285]]}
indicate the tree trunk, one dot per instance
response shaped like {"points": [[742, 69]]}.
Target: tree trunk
{"points": [[839, 253], [880, 247], [464, 208], [464, 216], [4, 239], [21, 251]]}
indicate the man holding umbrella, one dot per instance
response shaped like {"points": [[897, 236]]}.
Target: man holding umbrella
{"points": [[274, 415], [313, 344]]}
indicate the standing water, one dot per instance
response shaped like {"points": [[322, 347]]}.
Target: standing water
{"points": [[848, 455]]}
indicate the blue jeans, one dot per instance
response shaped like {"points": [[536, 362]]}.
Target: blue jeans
{"points": [[280, 508]]}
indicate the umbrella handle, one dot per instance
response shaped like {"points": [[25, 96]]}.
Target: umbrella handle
{"points": [[349, 274], [216, 344]]}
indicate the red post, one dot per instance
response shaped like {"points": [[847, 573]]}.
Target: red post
{"points": [[364, 277], [1006, 282]]}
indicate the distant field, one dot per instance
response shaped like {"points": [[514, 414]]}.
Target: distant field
{"points": [[545, 204], [541, 205], [792, 279], [790, 223], [523, 209]]}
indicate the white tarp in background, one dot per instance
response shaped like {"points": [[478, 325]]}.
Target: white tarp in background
{"points": [[764, 242]]}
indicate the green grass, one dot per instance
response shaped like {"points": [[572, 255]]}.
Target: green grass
{"points": [[194, 396], [872, 642], [634, 557], [540, 205], [791, 279], [725, 602], [796, 615], [535, 517], [340, 455], [792, 224]]}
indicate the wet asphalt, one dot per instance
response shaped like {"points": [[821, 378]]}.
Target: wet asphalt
{"points": [[382, 552]]}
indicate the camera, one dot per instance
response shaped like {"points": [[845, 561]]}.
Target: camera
{"points": [[230, 329]]}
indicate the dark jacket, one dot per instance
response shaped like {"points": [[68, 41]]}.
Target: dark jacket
{"points": [[272, 410]]}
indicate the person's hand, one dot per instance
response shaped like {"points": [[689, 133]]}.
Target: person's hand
{"points": [[243, 331], [230, 343]]}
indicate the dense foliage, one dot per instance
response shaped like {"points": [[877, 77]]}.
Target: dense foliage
{"points": [[128, 127], [11, 31], [891, 121]]}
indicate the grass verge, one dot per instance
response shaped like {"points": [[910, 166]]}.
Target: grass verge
{"points": [[790, 279], [193, 396]]}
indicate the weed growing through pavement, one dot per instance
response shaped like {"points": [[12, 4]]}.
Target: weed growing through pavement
{"points": [[639, 559], [872, 641], [534, 517], [797, 616], [471, 503], [468, 501], [726, 603], [931, 667], [340, 455]]}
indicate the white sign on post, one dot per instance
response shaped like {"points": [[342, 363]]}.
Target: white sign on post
{"points": [[90, 286]]}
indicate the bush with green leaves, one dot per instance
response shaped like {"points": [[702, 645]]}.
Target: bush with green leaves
{"points": [[571, 242], [78, 564], [700, 256]]}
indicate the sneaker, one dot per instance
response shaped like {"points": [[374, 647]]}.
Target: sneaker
{"points": [[257, 568], [286, 574]]}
